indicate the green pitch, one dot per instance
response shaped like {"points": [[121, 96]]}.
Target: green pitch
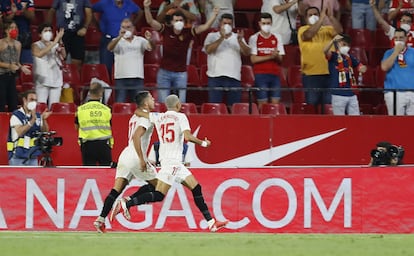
{"points": [[208, 244]]}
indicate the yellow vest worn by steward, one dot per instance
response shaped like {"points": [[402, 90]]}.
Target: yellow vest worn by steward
{"points": [[94, 120]]}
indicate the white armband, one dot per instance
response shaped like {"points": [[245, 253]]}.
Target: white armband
{"points": [[204, 144]]}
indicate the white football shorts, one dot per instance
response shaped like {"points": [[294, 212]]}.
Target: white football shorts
{"points": [[129, 166], [173, 172]]}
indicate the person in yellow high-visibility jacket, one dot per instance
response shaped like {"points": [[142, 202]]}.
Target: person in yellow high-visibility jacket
{"points": [[93, 122]]}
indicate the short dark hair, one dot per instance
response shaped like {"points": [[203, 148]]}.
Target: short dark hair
{"points": [[384, 144], [407, 14], [140, 97], [179, 13], [96, 89], [226, 16], [265, 15], [346, 38], [400, 30], [312, 7], [43, 26], [26, 93]]}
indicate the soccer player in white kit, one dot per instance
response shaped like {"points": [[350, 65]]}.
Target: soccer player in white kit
{"points": [[172, 127], [132, 162]]}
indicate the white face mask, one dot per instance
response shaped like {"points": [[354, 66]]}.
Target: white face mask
{"points": [[127, 34], [344, 50], [179, 25], [399, 43], [265, 28], [47, 36], [31, 105], [313, 19], [227, 29], [406, 27]]}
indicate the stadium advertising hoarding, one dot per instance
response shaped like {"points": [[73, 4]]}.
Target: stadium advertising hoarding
{"points": [[260, 140], [267, 200]]}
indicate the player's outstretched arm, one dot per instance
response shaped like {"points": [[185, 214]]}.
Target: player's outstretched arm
{"points": [[190, 137]]}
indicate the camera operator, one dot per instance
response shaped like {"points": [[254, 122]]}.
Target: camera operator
{"points": [[93, 122], [25, 123], [386, 154]]}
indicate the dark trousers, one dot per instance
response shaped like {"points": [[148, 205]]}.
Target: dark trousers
{"points": [[8, 92], [97, 152]]}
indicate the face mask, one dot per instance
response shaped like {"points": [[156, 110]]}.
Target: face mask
{"points": [[227, 29], [265, 28], [47, 36], [13, 33], [313, 19], [31, 105], [179, 25], [399, 43], [127, 34], [406, 27], [344, 50]]}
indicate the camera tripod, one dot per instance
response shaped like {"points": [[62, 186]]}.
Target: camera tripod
{"points": [[46, 160]]}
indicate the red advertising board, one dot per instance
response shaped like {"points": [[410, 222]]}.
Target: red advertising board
{"points": [[255, 141], [267, 200]]}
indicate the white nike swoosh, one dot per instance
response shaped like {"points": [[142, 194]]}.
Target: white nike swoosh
{"points": [[260, 158]]}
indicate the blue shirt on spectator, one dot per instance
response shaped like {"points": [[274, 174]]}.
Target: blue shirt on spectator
{"points": [[400, 77], [21, 21], [112, 15]]}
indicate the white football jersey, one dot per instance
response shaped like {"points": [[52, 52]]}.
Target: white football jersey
{"points": [[134, 123], [170, 127]]}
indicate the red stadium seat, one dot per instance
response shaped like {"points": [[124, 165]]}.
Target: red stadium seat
{"points": [[366, 109], [302, 108], [273, 109], [63, 108], [244, 109], [160, 107], [154, 56], [88, 71], [71, 76], [359, 53], [294, 76], [92, 38], [376, 54], [41, 106], [123, 108], [291, 57], [156, 36], [189, 108], [195, 92], [361, 38], [214, 108]]}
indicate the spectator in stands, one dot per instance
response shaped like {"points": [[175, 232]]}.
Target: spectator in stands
{"points": [[187, 7], [362, 15], [112, 13], [9, 66], [341, 69], [173, 68], [129, 52], [75, 17], [22, 12], [267, 52], [405, 23], [312, 39], [398, 62], [25, 123], [226, 6], [95, 132], [397, 8], [284, 14], [332, 6], [48, 56], [224, 61]]}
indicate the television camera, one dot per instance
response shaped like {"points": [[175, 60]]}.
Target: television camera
{"points": [[45, 141]]}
